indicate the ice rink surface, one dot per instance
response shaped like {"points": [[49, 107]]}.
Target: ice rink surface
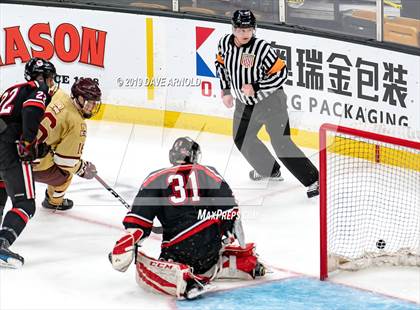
{"points": [[66, 264]]}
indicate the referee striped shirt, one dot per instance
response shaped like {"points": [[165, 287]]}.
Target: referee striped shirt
{"points": [[253, 63]]}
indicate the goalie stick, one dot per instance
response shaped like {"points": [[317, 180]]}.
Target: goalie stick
{"points": [[156, 230]]}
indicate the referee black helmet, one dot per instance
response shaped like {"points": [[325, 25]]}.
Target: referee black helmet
{"points": [[243, 19]]}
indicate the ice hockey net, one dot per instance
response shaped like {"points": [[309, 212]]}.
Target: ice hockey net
{"points": [[369, 200]]}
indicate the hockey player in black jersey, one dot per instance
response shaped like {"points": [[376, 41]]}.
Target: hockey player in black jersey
{"points": [[200, 220], [3, 199], [22, 107]]}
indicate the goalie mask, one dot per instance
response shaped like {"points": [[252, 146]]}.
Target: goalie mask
{"points": [[184, 151], [86, 95]]}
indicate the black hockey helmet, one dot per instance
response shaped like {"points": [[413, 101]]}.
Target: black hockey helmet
{"points": [[89, 90], [243, 19], [184, 151], [38, 66]]}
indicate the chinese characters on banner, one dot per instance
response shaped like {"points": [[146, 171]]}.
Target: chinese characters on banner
{"points": [[352, 77]]}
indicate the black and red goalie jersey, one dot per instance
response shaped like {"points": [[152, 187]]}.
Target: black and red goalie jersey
{"points": [[22, 107], [196, 208]]}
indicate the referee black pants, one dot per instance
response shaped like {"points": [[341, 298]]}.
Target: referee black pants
{"points": [[272, 113]]}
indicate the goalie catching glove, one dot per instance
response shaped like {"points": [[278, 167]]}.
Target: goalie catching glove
{"points": [[124, 250]]}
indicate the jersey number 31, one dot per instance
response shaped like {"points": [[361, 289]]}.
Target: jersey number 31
{"points": [[179, 188]]}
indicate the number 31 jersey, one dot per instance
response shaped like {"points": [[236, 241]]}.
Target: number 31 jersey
{"points": [[195, 206]]}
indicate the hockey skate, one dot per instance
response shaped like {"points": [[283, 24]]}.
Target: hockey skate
{"points": [[195, 289], [259, 270], [275, 176], [65, 205], [9, 259], [313, 190]]}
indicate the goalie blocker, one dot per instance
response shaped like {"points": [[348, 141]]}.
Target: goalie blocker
{"points": [[193, 250]]}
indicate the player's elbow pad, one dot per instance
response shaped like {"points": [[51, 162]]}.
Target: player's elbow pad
{"points": [[65, 161]]}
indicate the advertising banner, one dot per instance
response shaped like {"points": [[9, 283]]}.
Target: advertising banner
{"points": [[167, 64]]}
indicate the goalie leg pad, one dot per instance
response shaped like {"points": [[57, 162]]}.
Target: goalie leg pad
{"points": [[164, 277], [239, 263]]}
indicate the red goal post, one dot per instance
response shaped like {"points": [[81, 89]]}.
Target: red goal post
{"points": [[369, 199]]}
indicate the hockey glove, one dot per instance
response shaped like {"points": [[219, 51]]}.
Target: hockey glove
{"points": [[29, 151], [42, 150], [238, 231], [87, 170], [123, 253], [26, 150], [233, 229]]}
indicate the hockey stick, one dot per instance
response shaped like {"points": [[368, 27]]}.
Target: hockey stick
{"points": [[156, 230]]}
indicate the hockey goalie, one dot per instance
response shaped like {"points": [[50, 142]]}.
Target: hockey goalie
{"points": [[200, 222]]}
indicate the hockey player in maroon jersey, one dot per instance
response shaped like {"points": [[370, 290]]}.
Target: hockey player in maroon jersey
{"points": [[197, 210], [22, 107], [64, 129]]}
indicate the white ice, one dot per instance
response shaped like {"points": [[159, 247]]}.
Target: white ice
{"points": [[66, 264]]}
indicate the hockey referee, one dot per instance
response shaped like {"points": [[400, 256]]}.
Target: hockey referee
{"points": [[251, 72]]}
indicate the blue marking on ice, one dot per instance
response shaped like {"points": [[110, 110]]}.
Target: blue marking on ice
{"points": [[296, 294]]}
